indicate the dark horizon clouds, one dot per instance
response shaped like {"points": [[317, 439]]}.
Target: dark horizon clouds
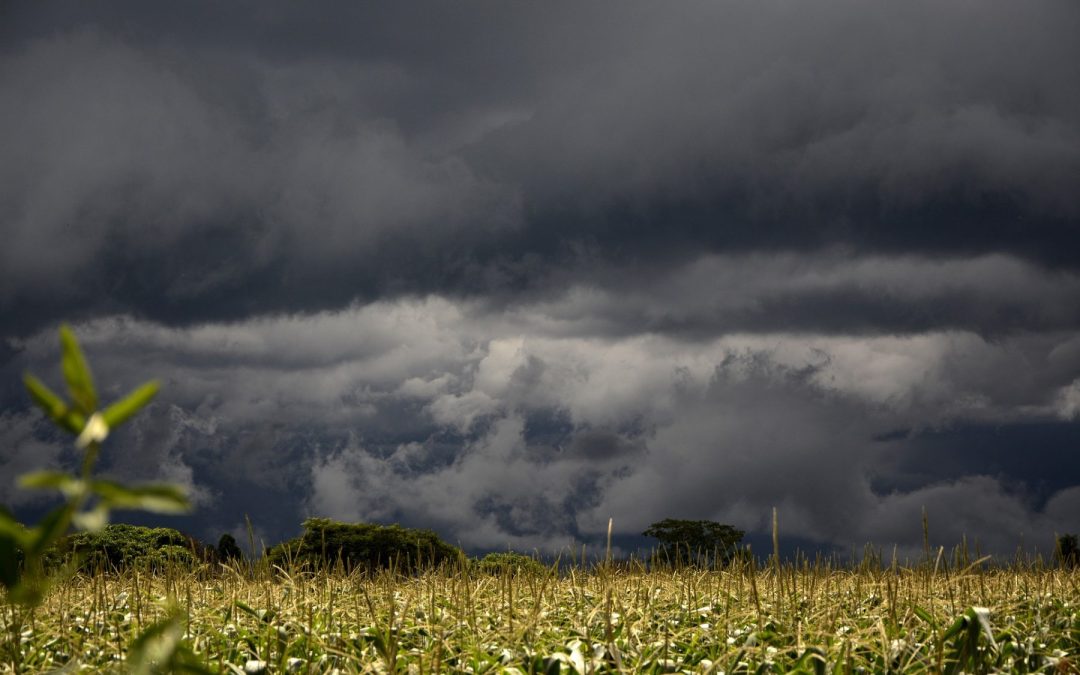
{"points": [[510, 270]]}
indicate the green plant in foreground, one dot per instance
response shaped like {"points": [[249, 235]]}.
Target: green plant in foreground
{"points": [[87, 500]]}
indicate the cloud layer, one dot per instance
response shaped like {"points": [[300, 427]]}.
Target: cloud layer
{"points": [[509, 272]]}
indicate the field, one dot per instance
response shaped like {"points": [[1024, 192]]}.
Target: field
{"points": [[809, 617]]}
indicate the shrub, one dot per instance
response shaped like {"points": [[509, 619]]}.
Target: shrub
{"points": [[228, 550], [326, 543], [125, 546], [511, 562], [1068, 551]]}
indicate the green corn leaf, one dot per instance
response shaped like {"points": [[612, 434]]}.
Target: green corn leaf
{"points": [[264, 615], [161, 649], [958, 626], [52, 480], [9, 562], [53, 526], [52, 404], [119, 412], [77, 372], [159, 498], [12, 538], [74, 421], [924, 615], [11, 528], [154, 649]]}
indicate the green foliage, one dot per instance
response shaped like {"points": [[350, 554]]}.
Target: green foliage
{"points": [[228, 550], [116, 547], [690, 541], [326, 542], [160, 649], [1068, 551], [511, 562], [87, 501]]}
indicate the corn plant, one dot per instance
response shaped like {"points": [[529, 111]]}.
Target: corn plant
{"points": [[87, 500]]}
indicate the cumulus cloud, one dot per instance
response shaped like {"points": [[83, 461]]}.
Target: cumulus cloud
{"points": [[443, 414]]}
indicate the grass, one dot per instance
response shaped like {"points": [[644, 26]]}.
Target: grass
{"points": [[809, 617]]}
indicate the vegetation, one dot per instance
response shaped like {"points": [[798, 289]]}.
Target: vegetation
{"points": [[1068, 550], [327, 543], [801, 617], [228, 550], [695, 541], [87, 502], [116, 547], [510, 562]]}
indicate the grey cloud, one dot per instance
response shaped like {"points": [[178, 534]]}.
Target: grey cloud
{"points": [[829, 291], [184, 169], [439, 414], [509, 271], [27, 447], [127, 184]]}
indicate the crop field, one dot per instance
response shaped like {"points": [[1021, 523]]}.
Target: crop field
{"points": [[814, 618]]}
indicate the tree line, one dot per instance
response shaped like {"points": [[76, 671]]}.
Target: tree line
{"points": [[327, 543]]}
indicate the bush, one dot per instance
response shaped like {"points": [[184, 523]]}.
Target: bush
{"points": [[1068, 551], [125, 546], [327, 543], [228, 550], [511, 562]]}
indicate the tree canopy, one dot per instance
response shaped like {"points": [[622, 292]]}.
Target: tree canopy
{"points": [[118, 546], [696, 540], [325, 542]]}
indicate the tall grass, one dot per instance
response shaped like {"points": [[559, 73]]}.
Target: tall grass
{"points": [[808, 616]]}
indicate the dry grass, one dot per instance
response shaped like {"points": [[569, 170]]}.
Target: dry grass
{"points": [[814, 618]]}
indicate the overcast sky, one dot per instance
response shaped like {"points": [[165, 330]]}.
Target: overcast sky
{"points": [[508, 270]]}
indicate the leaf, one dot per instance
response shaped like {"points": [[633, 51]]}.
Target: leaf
{"points": [[958, 626], [53, 526], [48, 401], [72, 420], [924, 615], [9, 562], [119, 412], [9, 527], [158, 498], [77, 372], [11, 534], [52, 480], [264, 615], [159, 648]]}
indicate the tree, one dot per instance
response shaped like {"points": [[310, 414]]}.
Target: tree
{"points": [[696, 540], [326, 542], [1068, 550], [120, 546], [228, 550]]}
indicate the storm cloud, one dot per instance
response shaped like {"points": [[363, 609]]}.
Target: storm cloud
{"points": [[508, 271]]}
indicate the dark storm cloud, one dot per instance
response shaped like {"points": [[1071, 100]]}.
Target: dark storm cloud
{"points": [[509, 271], [208, 165]]}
